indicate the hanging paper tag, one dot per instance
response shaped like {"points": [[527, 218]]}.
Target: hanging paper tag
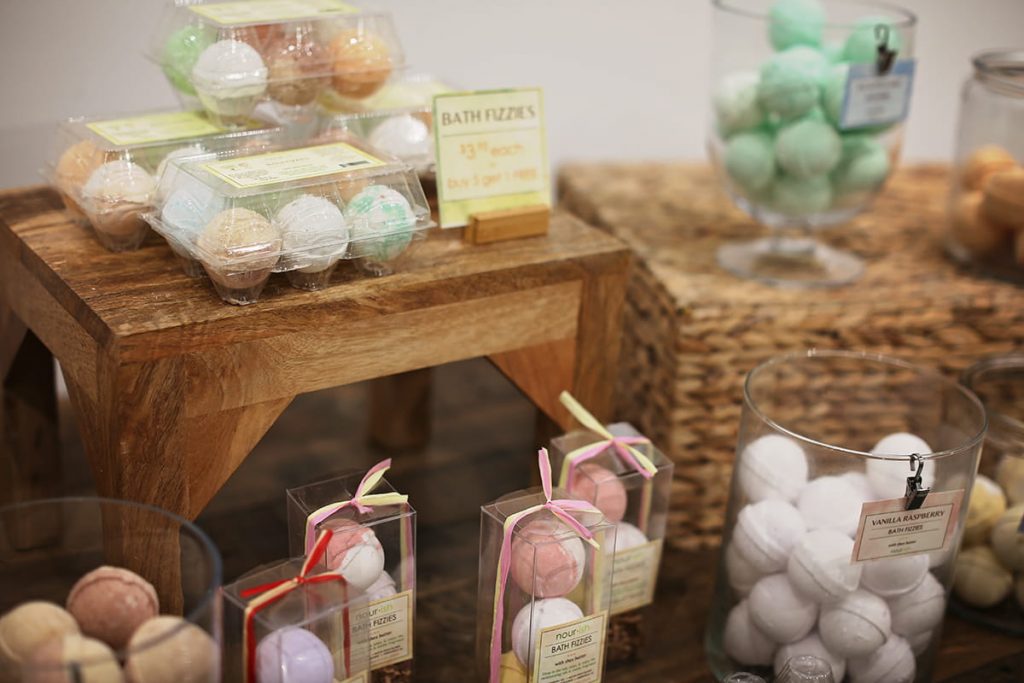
{"points": [[888, 529], [877, 99]]}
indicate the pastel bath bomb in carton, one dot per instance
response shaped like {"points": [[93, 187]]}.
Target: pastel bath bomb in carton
{"points": [[548, 559], [779, 611], [314, 233], [856, 625], [534, 618], [772, 466], [110, 603], [766, 533], [355, 552], [361, 63], [381, 221], [600, 486], [743, 641], [230, 77], [181, 52], [404, 136], [293, 655], [114, 197], [239, 248], [298, 66]]}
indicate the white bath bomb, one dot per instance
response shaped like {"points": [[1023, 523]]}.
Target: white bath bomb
{"points": [[766, 533], [535, 617], [382, 587], [772, 467], [980, 580], [920, 609], [742, 575], [830, 503], [119, 181], [735, 102], [820, 567], [811, 645], [354, 552], [856, 625], [628, 536], [314, 234], [894, 576], [889, 477], [1006, 539], [893, 662], [230, 68], [1010, 476], [987, 505], [403, 136], [920, 642], [743, 641], [858, 481], [779, 611]]}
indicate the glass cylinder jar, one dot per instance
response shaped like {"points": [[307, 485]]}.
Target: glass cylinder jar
{"points": [[989, 587], [141, 588], [789, 149], [822, 554], [986, 205]]}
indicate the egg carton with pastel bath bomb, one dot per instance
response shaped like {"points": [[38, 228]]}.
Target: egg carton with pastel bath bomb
{"points": [[110, 170], [230, 60], [294, 210]]}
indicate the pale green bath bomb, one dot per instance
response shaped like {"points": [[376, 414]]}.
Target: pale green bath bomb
{"points": [[791, 81], [863, 168], [801, 196], [862, 46], [735, 102], [807, 148], [750, 160], [833, 51], [181, 51], [796, 22], [835, 91]]}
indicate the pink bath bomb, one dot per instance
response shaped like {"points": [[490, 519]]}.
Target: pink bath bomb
{"points": [[355, 552], [547, 558], [601, 487], [109, 603]]}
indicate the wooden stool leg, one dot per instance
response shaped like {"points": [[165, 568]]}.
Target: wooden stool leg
{"points": [[400, 411], [30, 464]]}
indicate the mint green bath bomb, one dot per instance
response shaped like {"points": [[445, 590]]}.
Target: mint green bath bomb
{"points": [[864, 166], [833, 51], [181, 51], [750, 160], [791, 82], [861, 45], [735, 102], [834, 91], [796, 22], [807, 148], [801, 196]]}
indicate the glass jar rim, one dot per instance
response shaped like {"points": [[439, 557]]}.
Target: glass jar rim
{"points": [[996, 67], [1007, 425], [907, 18], [208, 601], [974, 441]]}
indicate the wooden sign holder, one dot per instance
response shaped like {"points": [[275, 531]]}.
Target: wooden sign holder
{"points": [[507, 224]]}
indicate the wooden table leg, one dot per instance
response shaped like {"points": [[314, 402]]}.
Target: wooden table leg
{"points": [[400, 411], [30, 464]]}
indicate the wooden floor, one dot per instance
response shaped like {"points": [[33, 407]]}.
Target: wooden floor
{"points": [[482, 447]]}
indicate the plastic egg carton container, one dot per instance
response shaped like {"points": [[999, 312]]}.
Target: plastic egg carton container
{"points": [[300, 211], [109, 171], [229, 57], [397, 120]]}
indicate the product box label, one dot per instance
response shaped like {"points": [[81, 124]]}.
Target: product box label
{"points": [[391, 630], [491, 152], [635, 575], [571, 653], [874, 99], [269, 11], [887, 529], [163, 127], [293, 164]]}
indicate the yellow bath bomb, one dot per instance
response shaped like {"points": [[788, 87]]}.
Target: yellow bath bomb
{"points": [[987, 504], [982, 163], [1010, 476], [512, 670], [973, 230], [979, 579], [1007, 540], [362, 63], [29, 626]]}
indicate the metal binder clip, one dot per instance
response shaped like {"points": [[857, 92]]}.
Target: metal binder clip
{"points": [[886, 56], [915, 494]]}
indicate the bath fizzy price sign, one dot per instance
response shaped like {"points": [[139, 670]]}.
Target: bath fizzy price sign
{"points": [[491, 153], [888, 529], [874, 99]]}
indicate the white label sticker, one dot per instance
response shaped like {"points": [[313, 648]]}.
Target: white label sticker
{"points": [[292, 164], [888, 529], [634, 577], [391, 630], [268, 11], [571, 653], [874, 99]]}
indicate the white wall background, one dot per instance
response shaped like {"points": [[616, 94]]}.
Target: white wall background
{"points": [[622, 80]]}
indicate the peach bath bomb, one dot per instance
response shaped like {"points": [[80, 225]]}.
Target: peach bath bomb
{"points": [[298, 66], [111, 602], [73, 659], [239, 247], [171, 650], [600, 486], [73, 169], [354, 552], [548, 559], [362, 63], [534, 618], [29, 626]]}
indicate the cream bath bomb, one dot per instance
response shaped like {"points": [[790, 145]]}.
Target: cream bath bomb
{"points": [[862, 44], [820, 567], [920, 609], [781, 613], [73, 169], [801, 196], [987, 505], [239, 247], [743, 641], [73, 659], [115, 194], [830, 503], [314, 233], [403, 136], [1010, 477], [790, 82], [980, 580], [229, 77], [742, 575], [1007, 540], [812, 646], [807, 148], [362, 63], [893, 662], [889, 477], [298, 66], [534, 618], [354, 552], [735, 103], [856, 625], [772, 466], [766, 533], [110, 603], [894, 576], [796, 22], [600, 486], [381, 221], [750, 160], [548, 559], [170, 650], [29, 626]]}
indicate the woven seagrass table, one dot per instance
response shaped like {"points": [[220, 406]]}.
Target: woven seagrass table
{"points": [[692, 331]]}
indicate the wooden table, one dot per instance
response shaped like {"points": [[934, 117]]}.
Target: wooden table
{"points": [[172, 387]]}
